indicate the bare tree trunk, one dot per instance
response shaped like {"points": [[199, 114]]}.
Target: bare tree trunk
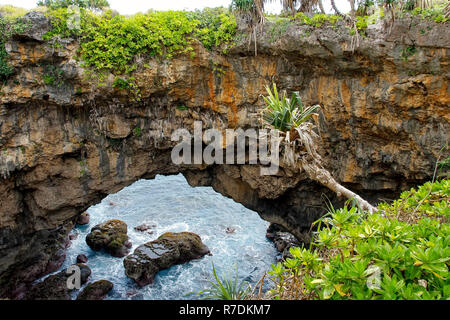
{"points": [[333, 5], [322, 176], [352, 8], [321, 7]]}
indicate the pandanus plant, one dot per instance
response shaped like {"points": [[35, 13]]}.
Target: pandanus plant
{"points": [[286, 114], [300, 140]]}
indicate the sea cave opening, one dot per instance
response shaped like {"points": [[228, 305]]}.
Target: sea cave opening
{"points": [[235, 235]]}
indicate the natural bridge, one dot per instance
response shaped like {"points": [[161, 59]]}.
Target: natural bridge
{"points": [[65, 146]]}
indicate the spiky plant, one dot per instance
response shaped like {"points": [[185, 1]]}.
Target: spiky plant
{"points": [[283, 113], [300, 142], [226, 289]]}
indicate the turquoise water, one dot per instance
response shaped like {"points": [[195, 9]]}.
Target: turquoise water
{"points": [[172, 205]]}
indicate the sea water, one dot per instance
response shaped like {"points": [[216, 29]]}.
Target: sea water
{"points": [[173, 206]]}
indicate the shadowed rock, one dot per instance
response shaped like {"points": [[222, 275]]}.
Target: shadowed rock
{"points": [[83, 218], [169, 249], [55, 286], [96, 290]]}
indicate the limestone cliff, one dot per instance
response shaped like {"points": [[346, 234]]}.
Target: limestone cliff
{"points": [[64, 146]]}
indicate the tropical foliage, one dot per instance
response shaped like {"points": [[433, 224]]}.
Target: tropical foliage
{"points": [[283, 113], [400, 252], [90, 4], [112, 42], [226, 289]]}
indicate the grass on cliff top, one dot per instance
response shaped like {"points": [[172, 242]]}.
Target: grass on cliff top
{"points": [[402, 252]]}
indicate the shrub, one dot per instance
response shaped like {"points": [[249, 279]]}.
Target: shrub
{"points": [[283, 113], [317, 20], [110, 43], [400, 252]]}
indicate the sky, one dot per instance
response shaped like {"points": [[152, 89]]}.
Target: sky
{"points": [[134, 6]]}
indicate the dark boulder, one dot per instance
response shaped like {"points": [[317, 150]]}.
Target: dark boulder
{"points": [[96, 290], [83, 219], [81, 258], [55, 287], [110, 236], [282, 239], [144, 227], [169, 249]]}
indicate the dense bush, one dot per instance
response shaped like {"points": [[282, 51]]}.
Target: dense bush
{"points": [[56, 4], [316, 20], [112, 42], [400, 252]]}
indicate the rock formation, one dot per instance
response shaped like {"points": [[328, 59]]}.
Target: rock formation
{"points": [[169, 249], [110, 236], [96, 290], [55, 287], [64, 148]]}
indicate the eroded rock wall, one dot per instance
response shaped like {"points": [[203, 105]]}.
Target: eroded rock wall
{"points": [[65, 146]]}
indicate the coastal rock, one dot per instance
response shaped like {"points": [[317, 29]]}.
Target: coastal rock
{"points": [[84, 218], [110, 236], [169, 249], [96, 290], [144, 227], [55, 287], [282, 240], [81, 258]]}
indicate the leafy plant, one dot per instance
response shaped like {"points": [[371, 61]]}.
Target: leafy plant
{"points": [[408, 52], [57, 4], [316, 20], [226, 289], [137, 132], [399, 252], [53, 76], [283, 113]]}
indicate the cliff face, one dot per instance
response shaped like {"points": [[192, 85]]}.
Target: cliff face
{"points": [[65, 145]]}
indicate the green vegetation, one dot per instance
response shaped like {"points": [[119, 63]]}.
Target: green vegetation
{"points": [[182, 107], [400, 252], [53, 76], [137, 132], [436, 12], [113, 43], [408, 52], [90, 4], [283, 113], [8, 27], [278, 28], [316, 20], [226, 289]]}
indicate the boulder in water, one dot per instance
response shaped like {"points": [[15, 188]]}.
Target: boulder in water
{"points": [[169, 249], [83, 219], [55, 286], [110, 236], [81, 258], [96, 290]]}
